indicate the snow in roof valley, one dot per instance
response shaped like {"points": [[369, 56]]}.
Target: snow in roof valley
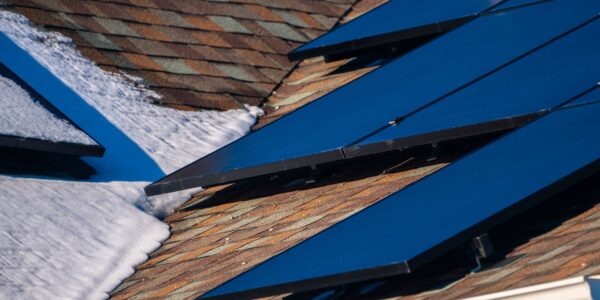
{"points": [[79, 240]]}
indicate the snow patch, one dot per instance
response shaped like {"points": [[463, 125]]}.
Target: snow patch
{"points": [[71, 240], [22, 115], [78, 240]]}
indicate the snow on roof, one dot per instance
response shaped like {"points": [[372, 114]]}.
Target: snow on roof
{"points": [[22, 115], [72, 239]]}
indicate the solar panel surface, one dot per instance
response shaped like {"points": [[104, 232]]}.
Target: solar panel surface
{"points": [[515, 3], [317, 132], [394, 21], [516, 94], [439, 212]]}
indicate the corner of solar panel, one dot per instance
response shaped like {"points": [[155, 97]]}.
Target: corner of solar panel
{"points": [[443, 272]]}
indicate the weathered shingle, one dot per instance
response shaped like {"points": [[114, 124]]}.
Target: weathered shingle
{"points": [[235, 72], [229, 24], [116, 27], [99, 40], [180, 36], [282, 30]]}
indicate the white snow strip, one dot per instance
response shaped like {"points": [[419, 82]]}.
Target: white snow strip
{"points": [[78, 240], [23, 116]]}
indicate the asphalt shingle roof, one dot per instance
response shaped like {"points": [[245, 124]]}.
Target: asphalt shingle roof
{"points": [[211, 54], [246, 225], [219, 54]]}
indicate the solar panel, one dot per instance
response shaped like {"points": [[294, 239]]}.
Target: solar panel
{"points": [[28, 121], [438, 213], [506, 99], [317, 132], [394, 21], [516, 3]]}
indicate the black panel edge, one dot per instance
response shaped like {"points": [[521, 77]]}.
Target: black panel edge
{"points": [[354, 151], [529, 202], [162, 186], [58, 147], [379, 40], [318, 282], [429, 255], [49, 146]]}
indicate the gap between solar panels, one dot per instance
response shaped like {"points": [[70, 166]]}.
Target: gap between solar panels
{"points": [[438, 213], [333, 127], [511, 97], [590, 96]]}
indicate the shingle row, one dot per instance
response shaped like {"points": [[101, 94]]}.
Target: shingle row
{"points": [[214, 54]]}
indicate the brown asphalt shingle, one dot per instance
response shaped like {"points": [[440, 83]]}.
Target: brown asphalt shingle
{"points": [[571, 248], [211, 244], [222, 53], [235, 49]]}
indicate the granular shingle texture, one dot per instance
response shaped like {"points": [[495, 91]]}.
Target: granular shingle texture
{"points": [[226, 230], [313, 78], [206, 53], [221, 54], [553, 241]]}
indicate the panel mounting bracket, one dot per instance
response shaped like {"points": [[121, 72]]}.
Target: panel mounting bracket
{"points": [[481, 248], [315, 174], [436, 151]]}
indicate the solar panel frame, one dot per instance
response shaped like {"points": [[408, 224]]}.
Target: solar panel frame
{"points": [[62, 147], [418, 30], [379, 40], [505, 84], [359, 150], [243, 173], [350, 119], [563, 176]]}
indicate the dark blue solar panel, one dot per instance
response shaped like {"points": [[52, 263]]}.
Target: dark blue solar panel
{"points": [[317, 132], [545, 79], [394, 21], [517, 3], [441, 211]]}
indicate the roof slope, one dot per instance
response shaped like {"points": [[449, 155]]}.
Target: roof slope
{"points": [[211, 244], [556, 240], [245, 226], [226, 230], [210, 53]]}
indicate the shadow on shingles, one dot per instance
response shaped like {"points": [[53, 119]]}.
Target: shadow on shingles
{"points": [[440, 275], [377, 55], [342, 171]]}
